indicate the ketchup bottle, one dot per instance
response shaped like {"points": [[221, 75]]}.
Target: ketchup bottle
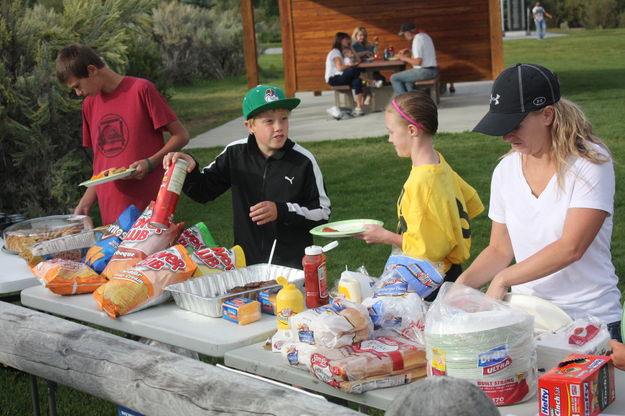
{"points": [[315, 279]]}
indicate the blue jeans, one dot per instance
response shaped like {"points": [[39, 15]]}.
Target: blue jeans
{"points": [[403, 81], [541, 28], [351, 77], [615, 331]]}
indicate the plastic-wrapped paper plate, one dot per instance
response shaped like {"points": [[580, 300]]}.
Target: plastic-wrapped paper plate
{"points": [[205, 294], [547, 316]]}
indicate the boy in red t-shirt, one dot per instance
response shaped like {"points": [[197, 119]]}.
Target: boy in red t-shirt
{"points": [[123, 123]]}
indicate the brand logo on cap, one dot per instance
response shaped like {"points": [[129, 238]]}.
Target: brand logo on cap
{"points": [[495, 99], [270, 95], [539, 101]]}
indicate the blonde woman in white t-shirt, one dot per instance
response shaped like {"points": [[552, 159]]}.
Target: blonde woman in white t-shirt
{"points": [[552, 201]]}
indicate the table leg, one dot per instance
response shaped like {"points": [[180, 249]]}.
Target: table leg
{"points": [[34, 395], [52, 398]]}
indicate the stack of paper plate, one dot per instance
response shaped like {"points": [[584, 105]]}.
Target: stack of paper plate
{"points": [[547, 316]]}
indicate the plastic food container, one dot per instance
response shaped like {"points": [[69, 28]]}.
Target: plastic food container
{"points": [[69, 247], [24, 234], [205, 294]]}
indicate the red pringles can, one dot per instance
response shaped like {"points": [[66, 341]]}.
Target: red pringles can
{"points": [[169, 193]]}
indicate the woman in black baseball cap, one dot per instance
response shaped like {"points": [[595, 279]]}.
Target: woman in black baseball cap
{"points": [[551, 202]]}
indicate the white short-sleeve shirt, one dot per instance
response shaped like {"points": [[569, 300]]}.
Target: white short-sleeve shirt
{"points": [[423, 47], [331, 69], [587, 286]]}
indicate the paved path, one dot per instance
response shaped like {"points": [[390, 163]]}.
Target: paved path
{"points": [[309, 121]]}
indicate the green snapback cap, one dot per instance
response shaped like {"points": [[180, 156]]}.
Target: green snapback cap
{"points": [[266, 97]]}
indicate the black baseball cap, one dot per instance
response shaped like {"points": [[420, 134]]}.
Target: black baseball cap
{"points": [[518, 90], [406, 27]]}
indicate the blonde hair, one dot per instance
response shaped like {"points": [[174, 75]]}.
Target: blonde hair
{"points": [[419, 106], [361, 29], [572, 135]]}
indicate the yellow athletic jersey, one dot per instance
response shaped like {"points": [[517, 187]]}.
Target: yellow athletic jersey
{"points": [[434, 209]]}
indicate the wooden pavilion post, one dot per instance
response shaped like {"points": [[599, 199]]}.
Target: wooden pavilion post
{"points": [[288, 47], [496, 38], [249, 43]]}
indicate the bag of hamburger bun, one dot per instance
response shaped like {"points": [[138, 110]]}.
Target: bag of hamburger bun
{"points": [[335, 325]]}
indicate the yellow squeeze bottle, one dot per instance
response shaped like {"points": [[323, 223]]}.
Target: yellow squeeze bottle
{"points": [[289, 301]]}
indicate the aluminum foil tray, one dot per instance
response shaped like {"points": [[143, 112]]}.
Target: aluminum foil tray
{"points": [[205, 294]]}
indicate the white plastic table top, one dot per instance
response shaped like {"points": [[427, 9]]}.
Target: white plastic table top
{"points": [[256, 360], [14, 273], [166, 322]]}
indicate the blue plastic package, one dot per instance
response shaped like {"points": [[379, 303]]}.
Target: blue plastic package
{"points": [[99, 255]]}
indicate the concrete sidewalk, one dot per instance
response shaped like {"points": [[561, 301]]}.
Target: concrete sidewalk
{"points": [[458, 112]]}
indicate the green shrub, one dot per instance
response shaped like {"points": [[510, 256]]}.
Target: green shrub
{"points": [[198, 42], [40, 126]]}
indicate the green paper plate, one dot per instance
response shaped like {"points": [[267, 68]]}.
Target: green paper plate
{"points": [[345, 228]]}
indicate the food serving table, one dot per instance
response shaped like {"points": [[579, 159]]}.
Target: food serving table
{"points": [[255, 359], [165, 323], [14, 273]]}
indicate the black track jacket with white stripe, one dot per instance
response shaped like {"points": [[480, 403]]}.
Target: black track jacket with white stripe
{"points": [[291, 178]]}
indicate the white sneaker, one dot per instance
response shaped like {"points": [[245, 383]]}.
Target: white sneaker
{"points": [[367, 100], [378, 84], [335, 112], [358, 111]]}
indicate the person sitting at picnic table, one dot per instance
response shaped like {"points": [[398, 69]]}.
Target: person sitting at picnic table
{"points": [[367, 52], [551, 201], [278, 192], [435, 205], [339, 73], [361, 45], [422, 57]]}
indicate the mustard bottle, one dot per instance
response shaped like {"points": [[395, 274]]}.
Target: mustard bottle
{"points": [[289, 301]]}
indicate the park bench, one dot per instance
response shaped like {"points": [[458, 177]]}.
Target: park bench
{"points": [[346, 91], [431, 85]]}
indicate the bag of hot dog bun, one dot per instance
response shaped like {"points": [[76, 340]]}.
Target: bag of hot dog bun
{"points": [[67, 277], [98, 255], [143, 285], [142, 240]]}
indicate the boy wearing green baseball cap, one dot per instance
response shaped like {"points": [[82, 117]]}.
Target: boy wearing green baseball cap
{"points": [[278, 191]]}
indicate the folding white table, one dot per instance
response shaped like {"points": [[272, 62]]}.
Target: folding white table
{"points": [[256, 360], [14, 273], [166, 322]]}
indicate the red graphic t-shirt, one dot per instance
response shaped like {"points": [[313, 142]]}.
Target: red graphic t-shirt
{"points": [[121, 127]]}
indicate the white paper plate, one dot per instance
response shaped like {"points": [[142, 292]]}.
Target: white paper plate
{"points": [[547, 316], [345, 228], [109, 178]]}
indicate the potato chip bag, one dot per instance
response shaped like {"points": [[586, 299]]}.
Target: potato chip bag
{"points": [[142, 240], [67, 277], [143, 285], [211, 260], [99, 254], [196, 237]]}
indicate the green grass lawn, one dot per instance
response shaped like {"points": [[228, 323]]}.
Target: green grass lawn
{"points": [[364, 176]]}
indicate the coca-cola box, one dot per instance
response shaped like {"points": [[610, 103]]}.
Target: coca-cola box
{"points": [[580, 385]]}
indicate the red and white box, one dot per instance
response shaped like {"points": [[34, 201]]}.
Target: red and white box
{"points": [[581, 385]]}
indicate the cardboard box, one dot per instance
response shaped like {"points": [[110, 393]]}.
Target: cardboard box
{"points": [[581, 385]]}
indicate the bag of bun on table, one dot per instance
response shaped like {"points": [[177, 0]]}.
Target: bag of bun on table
{"points": [[196, 237], [143, 285], [142, 240], [340, 323]]}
